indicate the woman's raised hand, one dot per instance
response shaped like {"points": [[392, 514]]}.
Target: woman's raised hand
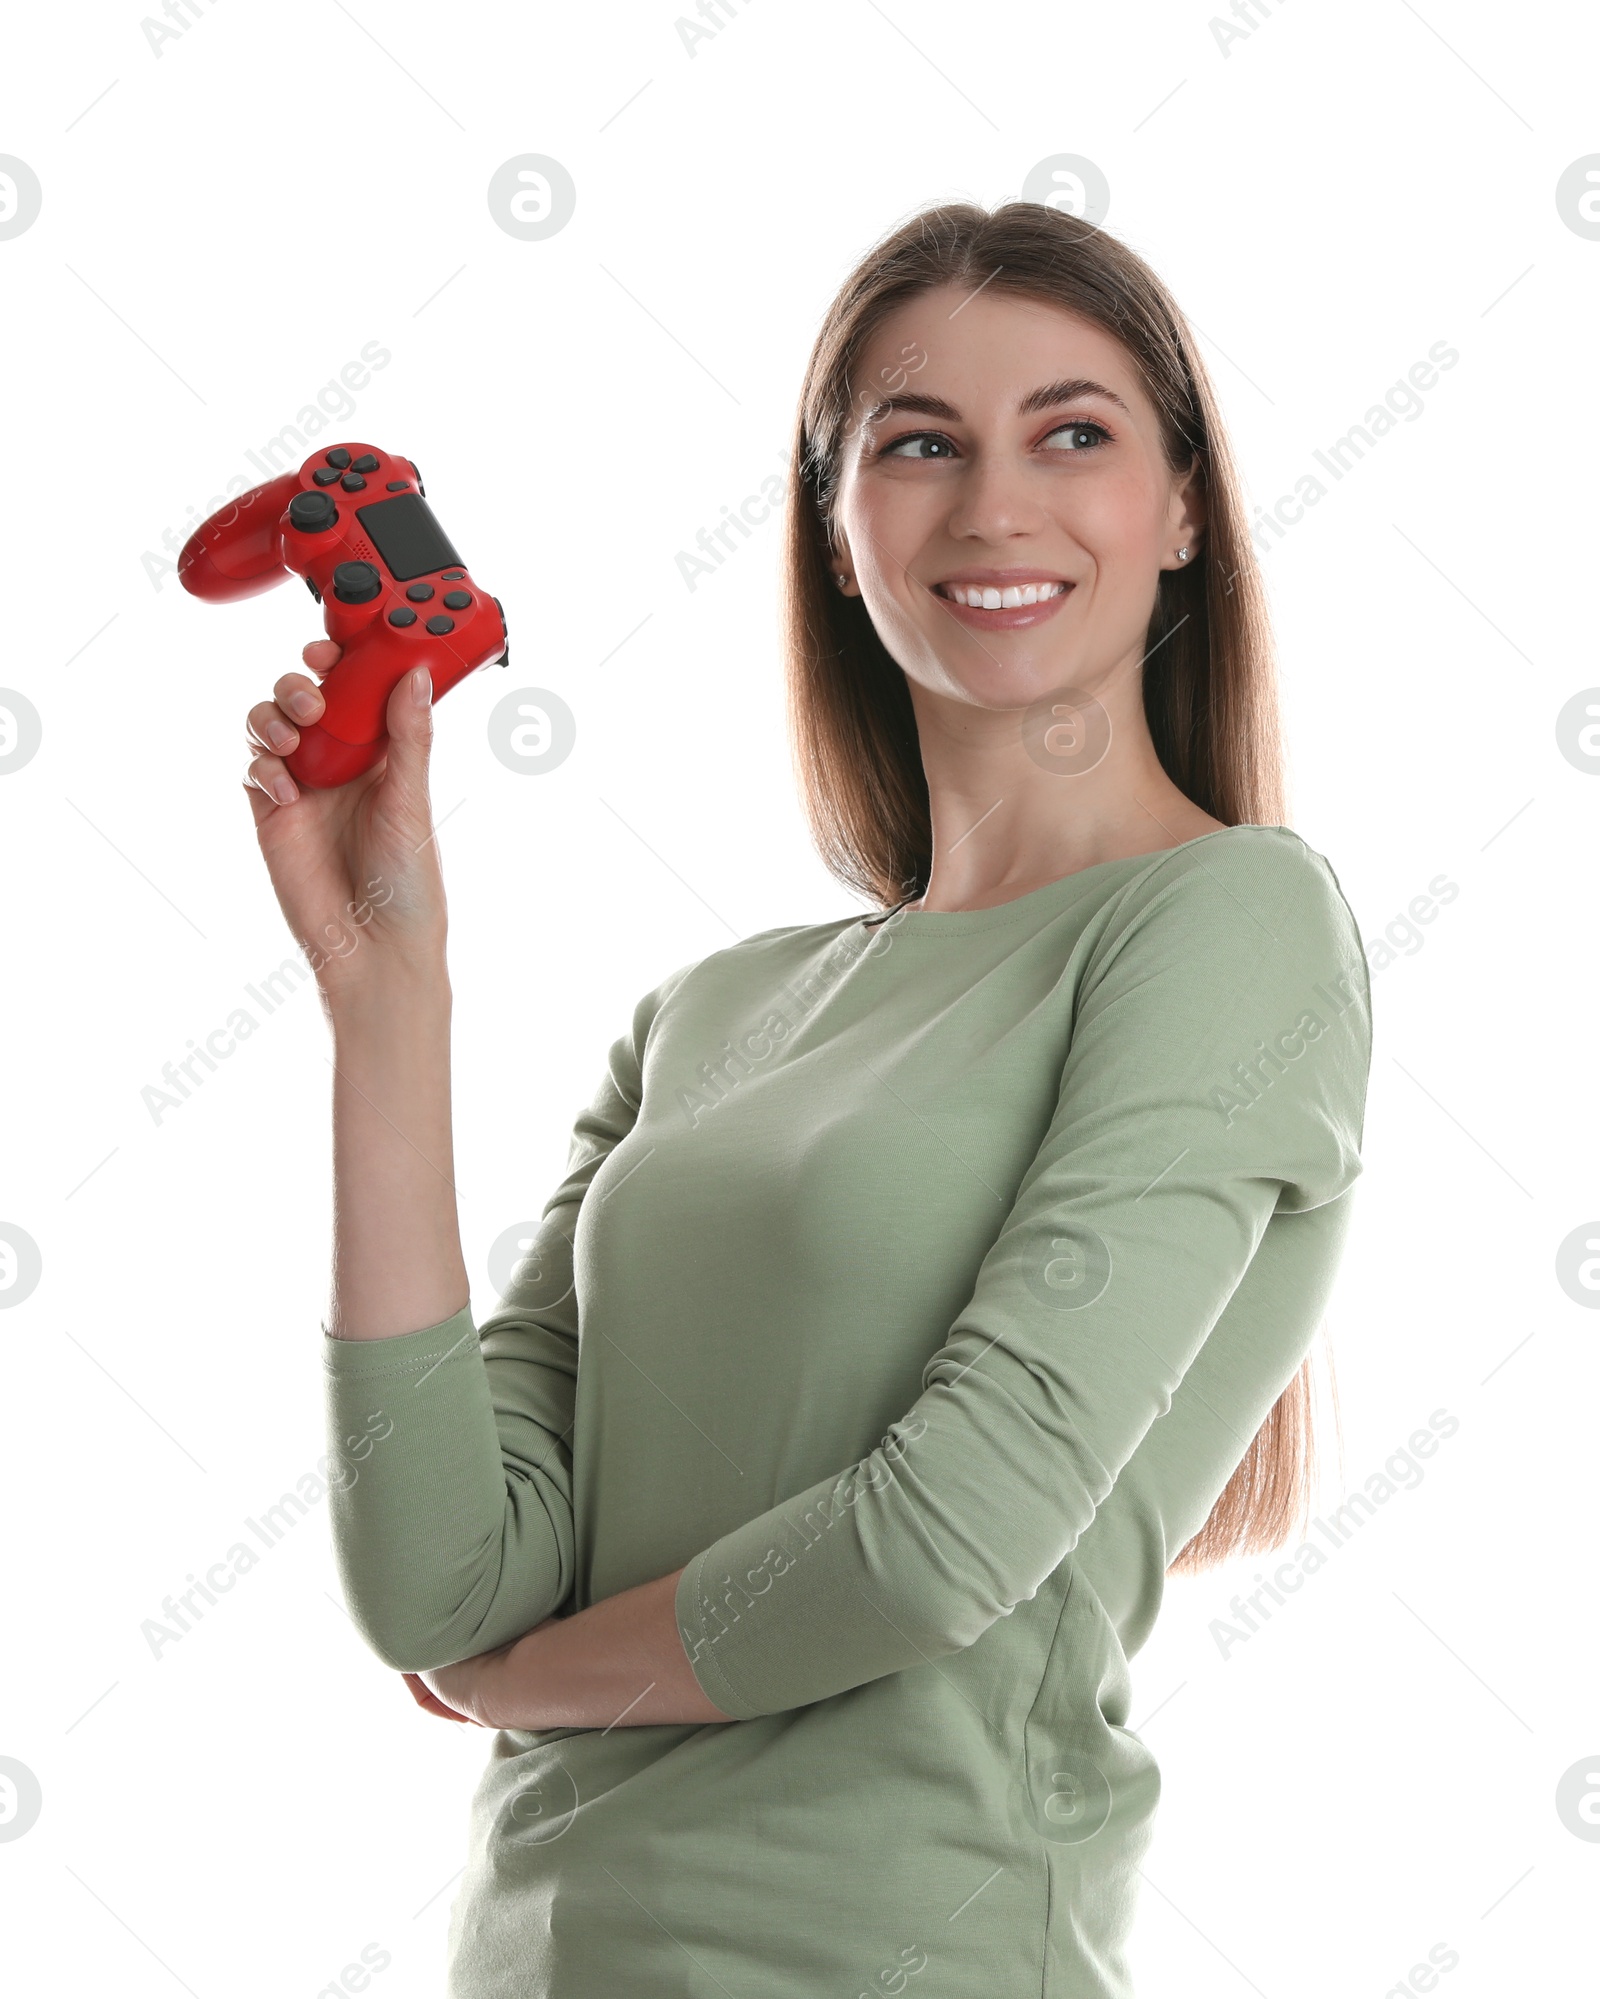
{"points": [[356, 868]]}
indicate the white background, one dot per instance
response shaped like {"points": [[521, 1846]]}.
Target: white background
{"points": [[225, 224]]}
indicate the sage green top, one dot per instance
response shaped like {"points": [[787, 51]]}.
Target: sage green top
{"points": [[919, 1285]]}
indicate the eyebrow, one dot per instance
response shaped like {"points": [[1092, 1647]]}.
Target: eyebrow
{"points": [[1070, 389]]}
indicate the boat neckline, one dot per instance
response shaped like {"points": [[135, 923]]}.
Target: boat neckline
{"points": [[947, 922]]}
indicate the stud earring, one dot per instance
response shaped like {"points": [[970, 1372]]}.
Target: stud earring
{"points": [[1183, 555], [841, 579]]}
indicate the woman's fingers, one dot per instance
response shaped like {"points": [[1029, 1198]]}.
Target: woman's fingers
{"points": [[260, 804], [270, 776], [274, 726], [271, 728], [425, 1697], [300, 698]]}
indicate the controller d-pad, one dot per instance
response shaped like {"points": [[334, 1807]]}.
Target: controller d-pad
{"points": [[325, 475], [457, 600], [402, 614], [339, 457], [419, 593], [312, 513], [356, 582], [365, 463], [353, 483], [439, 626]]}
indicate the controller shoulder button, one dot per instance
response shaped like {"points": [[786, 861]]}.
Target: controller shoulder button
{"points": [[339, 456], [439, 626]]}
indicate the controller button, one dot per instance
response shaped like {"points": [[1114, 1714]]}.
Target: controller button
{"points": [[365, 463], [312, 513], [439, 626], [452, 575], [339, 456], [352, 482], [457, 600], [402, 614], [398, 486], [356, 582], [325, 475], [419, 593]]}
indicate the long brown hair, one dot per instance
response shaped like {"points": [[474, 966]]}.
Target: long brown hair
{"points": [[1209, 677]]}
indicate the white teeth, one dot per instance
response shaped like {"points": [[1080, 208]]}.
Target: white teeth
{"points": [[986, 597]]}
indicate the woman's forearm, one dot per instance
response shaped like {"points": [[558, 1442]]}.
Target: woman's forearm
{"points": [[397, 1263], [620, 1662]]}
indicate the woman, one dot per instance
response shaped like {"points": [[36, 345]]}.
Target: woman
{"points": [[942, 1278]]}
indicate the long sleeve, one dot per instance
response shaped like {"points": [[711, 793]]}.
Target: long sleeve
{"points": [[1216, 1074], [451, 1507]]}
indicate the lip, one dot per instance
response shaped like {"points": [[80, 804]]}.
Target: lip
{"points": [[1018, 616]]}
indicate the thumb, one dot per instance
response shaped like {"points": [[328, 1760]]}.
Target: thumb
{"points": [[410, 723]]}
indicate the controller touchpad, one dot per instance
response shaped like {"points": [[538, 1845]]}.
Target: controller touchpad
{"points": [[407, 536]]}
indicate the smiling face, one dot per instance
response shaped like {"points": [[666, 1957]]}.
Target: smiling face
{"points": [[1004, 505]]}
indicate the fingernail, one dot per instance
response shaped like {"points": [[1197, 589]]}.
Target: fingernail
{"points": [[304, 703], [283, 790], [421, 686]]}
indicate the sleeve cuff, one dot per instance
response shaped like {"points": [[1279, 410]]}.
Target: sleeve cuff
{"points": [[405, 1353], [697, 1642]]}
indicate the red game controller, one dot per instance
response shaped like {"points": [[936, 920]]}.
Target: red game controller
{"points": [[394, 593]]}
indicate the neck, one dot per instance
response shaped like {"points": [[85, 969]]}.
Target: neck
{"points": [[1010, 811]]}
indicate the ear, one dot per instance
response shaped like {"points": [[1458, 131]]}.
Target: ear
{"points": [[1186, 516], [842, 563]]}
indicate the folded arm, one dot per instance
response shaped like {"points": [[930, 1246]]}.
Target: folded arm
{"points": [[1217, 1071]]}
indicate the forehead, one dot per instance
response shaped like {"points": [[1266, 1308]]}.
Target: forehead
{"points": [[989, 348]]}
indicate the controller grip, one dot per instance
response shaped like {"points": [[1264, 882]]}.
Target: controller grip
{"points": [[352, 734], [238, 552], [321, 761]]}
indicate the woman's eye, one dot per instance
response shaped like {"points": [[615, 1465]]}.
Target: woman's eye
{"points": [[1084, 437], [928, 437], [1077, 431]]}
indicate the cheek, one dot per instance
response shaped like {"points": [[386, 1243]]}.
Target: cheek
{"points": [[889, 522], [1115, 518]]}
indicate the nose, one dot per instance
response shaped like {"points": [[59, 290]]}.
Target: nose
{"points": [[995, 499]]}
